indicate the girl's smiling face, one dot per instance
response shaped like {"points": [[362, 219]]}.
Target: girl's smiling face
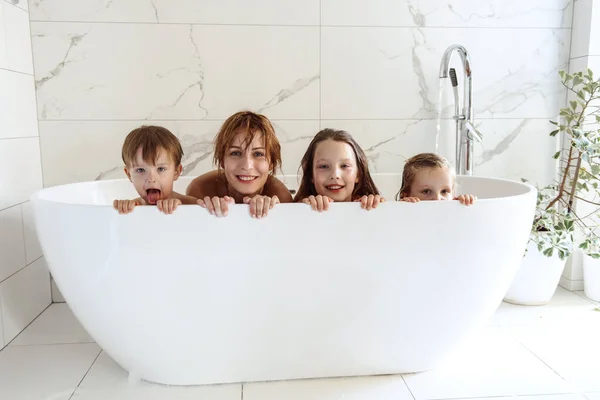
{"points": [[334, 170]]}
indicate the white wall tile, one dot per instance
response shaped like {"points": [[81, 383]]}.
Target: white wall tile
{"points": [[12, 246], [582, 23], [18, 39], [24, 296], [595, 30], [3, 54], [63, 142], [441, 13], [20, 170], [175, 71], [257, 12], [17, 105], [33, 250], [22, 4], [392, 73], [2, 342]]}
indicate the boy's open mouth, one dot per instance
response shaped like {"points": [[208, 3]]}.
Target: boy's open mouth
{"points": [[152, 195]]}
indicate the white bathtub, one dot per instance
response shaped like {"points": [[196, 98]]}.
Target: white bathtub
{"points": [[193, 299]]}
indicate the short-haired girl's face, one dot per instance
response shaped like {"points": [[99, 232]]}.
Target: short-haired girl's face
{"points": [[432, 184], [334, 170], [246, 167]]}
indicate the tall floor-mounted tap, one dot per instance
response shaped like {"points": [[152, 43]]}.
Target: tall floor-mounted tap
{"points": [[466, 133]]}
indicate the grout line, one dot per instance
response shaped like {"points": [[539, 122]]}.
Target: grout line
{"points": [[242, 392], [14, 205], [19, 137], [20, 269], [23, 226], [86, 373], [279, 119], [52, 344], [320, 63], [584, 297], [536, 356], [27, 326], [298, 25], [406, 384], [16, 72]]}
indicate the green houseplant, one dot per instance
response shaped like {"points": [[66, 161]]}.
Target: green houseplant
{"points": [[559, 226]]}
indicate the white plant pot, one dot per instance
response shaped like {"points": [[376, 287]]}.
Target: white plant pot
{"points": [[537, 278], [591, 278]]}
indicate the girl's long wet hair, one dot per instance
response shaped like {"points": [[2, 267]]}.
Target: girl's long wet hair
{"points": [[365, 185]]}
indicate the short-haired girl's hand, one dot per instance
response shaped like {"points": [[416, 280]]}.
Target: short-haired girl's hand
{"points": [[411, 199], [318, 202], [466, 199], [126, 206], [260, 205], [371, 201], [168, 205], [217, 205]]}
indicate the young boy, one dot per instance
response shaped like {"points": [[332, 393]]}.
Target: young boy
{"points": [[152, 157]]}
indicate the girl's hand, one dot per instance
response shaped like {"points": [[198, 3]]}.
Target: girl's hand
{"points": [[466, 199], [217, 205], [318, 202], [260, 205], [411, 199], [371, 201], [168, 205], [126, 206]]}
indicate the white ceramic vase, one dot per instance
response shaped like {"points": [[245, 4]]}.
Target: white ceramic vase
{"points": [[536, 280], [591, 278]]}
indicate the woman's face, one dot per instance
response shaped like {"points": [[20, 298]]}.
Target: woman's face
{"points": [[246, 167]]}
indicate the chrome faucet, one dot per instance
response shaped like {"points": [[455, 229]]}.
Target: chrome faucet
{"points": [[466, 133]]}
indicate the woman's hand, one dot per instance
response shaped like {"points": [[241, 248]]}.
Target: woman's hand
{"points": [[371, 201], [217, 205], [260, 205], [411, 199], [466, 199], [168, 205], [126, 206], [318, 202]]}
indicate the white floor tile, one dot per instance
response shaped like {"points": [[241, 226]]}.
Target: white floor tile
{"points": [[572, 352], [358, 388], [565, 307], [56, 325], [581, 294], [490, 364], [44, 372], [593, 396], [107, 380], [538, 397]]}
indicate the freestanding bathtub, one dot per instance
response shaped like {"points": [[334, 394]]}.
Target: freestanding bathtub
{"points": [[189, 298]]}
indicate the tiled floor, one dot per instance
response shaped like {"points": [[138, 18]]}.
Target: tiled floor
{"points": [[536, 353]]}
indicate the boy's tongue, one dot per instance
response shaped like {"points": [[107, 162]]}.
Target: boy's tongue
{"points": [[152, 195]]}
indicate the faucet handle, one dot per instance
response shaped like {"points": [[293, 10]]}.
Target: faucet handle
{"points": [[472, 132]]}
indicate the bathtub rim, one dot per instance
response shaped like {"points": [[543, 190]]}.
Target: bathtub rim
{"points": [[45, 194]]}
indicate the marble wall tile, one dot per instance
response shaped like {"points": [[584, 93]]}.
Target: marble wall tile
{"points": [[256, 12], [76, 151], [457, 13], [20, 170], [140, 71], [392, 73], [582, 26]]}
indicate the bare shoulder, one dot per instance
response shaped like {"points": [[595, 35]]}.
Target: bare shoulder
{"points": [[274, 187], [204, 185], [185, 199]]}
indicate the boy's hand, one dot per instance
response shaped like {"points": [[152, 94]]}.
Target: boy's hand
{"points": [[260, 205], [168, 205], [318, 202], [411, 199], [217, 205], [466, 199], [371, 201], [126, 206]]}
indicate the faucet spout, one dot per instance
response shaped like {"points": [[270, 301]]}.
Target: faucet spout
{"points": [[465, 129]]}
